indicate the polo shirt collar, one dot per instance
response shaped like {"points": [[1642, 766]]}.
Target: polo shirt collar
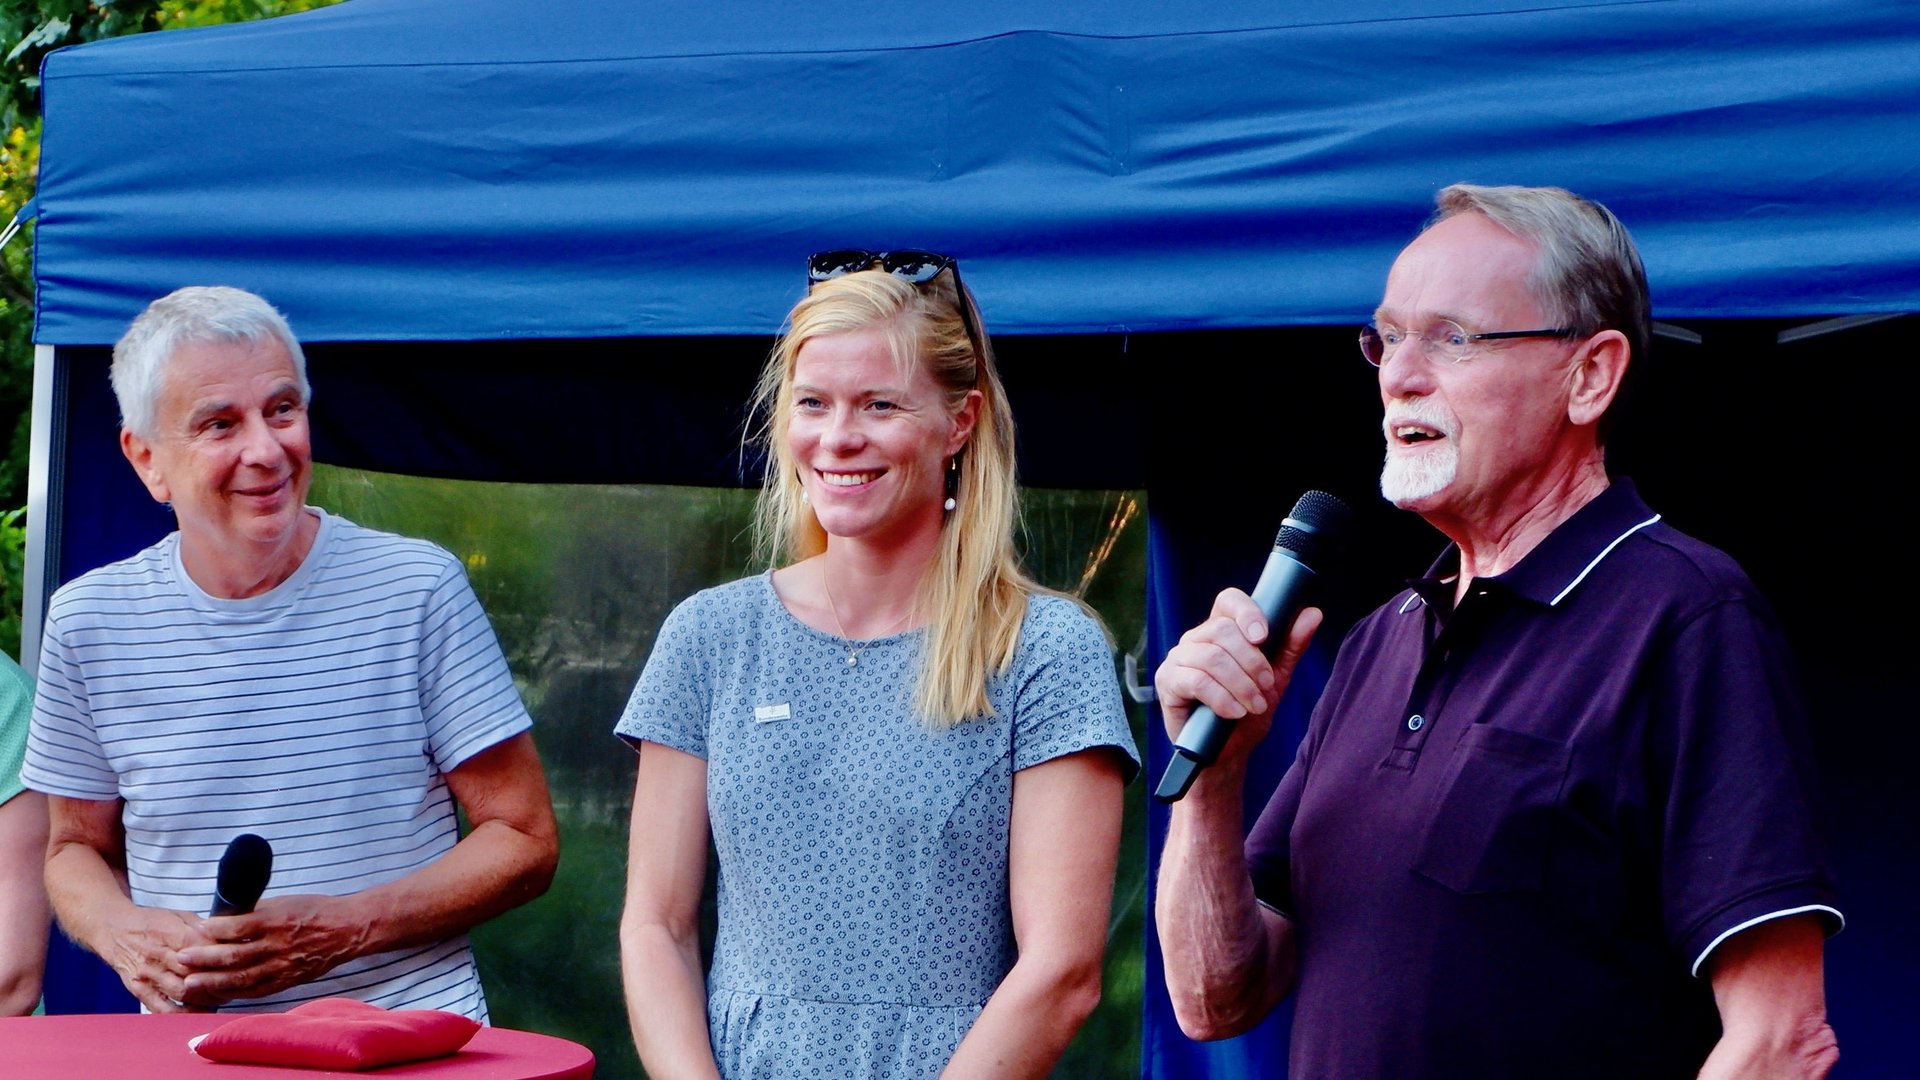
{"points": [[1557, 565]]}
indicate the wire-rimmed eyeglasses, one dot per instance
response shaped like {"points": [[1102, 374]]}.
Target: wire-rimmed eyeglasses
{"points": [[1444, 339]]}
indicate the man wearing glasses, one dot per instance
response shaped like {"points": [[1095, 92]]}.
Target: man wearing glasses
{"points": [[1553, 813]]}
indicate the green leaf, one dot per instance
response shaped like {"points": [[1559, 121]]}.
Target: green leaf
{"points": [[47, 33]]}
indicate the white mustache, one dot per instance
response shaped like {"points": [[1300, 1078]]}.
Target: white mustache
{"points": [[1422, 411]]}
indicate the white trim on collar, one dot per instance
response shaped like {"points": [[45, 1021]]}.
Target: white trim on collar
{"points": [[1604, 552], [1416, 598]]}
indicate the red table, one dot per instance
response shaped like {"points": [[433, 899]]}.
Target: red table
{"points": [[129, 1046]]}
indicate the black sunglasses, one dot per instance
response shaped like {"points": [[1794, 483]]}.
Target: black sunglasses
{"points": [[907, 264]]}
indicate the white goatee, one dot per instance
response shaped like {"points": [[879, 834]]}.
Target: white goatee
{"points": [[1410, 478]]}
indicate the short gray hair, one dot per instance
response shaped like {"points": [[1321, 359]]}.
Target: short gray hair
{"points": [[1588, 276], [197, 314]]}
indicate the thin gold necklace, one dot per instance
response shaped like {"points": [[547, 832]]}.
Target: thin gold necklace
{"points": [[854, 648]]}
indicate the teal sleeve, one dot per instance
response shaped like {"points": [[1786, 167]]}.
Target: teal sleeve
{"points": [[16, 709]]}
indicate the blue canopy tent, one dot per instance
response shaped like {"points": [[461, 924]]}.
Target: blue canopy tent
{"points": [[526, 214]]}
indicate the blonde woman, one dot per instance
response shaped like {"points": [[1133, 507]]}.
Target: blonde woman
{"points": [[909, 757]]}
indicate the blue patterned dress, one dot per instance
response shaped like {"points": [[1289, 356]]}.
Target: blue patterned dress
{"points": [[863, 906]]}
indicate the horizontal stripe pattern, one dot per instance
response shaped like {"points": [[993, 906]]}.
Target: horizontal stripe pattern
{"points": [[322, 715]]}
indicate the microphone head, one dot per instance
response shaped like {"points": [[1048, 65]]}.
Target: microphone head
{"points": [[244, 870], [1317, 523]]}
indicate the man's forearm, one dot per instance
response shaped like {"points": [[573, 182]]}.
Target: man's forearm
{"points": [[493, 869], [89, 896], [1228, 960], [506, 860], [291, 940], [84, 893], [1768, 982]]}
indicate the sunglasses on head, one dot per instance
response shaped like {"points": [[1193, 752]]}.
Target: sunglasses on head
{"points": [[907, 264]]}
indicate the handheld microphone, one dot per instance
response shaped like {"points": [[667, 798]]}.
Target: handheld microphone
{"points": [[243, 875], [1307, 539]]}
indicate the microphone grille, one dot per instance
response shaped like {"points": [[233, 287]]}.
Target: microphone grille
{"points": [[1316, 523], [245, 868]]}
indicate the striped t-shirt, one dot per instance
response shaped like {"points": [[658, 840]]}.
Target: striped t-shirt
{"points": [[322, 715]]}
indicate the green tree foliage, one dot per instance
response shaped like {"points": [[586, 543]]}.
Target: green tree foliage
{"points": [[29, 30], [13, 552]]}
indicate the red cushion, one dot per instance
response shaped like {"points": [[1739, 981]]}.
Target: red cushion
{"points": [[337, 1033]]}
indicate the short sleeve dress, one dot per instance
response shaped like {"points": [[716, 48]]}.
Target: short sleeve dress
{"points": [[863, 906]]}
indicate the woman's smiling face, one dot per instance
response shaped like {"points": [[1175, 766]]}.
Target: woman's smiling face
{"points": [[871, 438]]}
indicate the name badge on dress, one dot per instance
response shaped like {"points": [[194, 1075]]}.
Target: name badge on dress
{"points": [[767, 714]]}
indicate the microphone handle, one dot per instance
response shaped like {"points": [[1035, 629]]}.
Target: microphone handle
{"points": [[1279, 594]]}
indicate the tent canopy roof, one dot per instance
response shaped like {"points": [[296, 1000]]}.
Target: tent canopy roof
{"points": [[499, 169]]}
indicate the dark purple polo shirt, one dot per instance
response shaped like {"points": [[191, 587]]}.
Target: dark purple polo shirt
{"points": [[1515, 828]]}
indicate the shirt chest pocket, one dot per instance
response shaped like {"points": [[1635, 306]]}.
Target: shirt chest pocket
{"points": [[1492, 819]]}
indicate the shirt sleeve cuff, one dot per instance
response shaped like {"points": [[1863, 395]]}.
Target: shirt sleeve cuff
{"points": [[1835, 921], [672, 738], [1273, 909]]}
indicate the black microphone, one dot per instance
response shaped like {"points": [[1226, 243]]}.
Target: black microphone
{"points": [[1307, 539], [243, 875]]}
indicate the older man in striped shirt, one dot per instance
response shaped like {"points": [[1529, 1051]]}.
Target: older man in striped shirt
{"points": [[273, 669]]}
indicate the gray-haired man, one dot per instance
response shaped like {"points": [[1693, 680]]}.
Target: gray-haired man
{"points": [[273, 669], [1553, 814]]}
